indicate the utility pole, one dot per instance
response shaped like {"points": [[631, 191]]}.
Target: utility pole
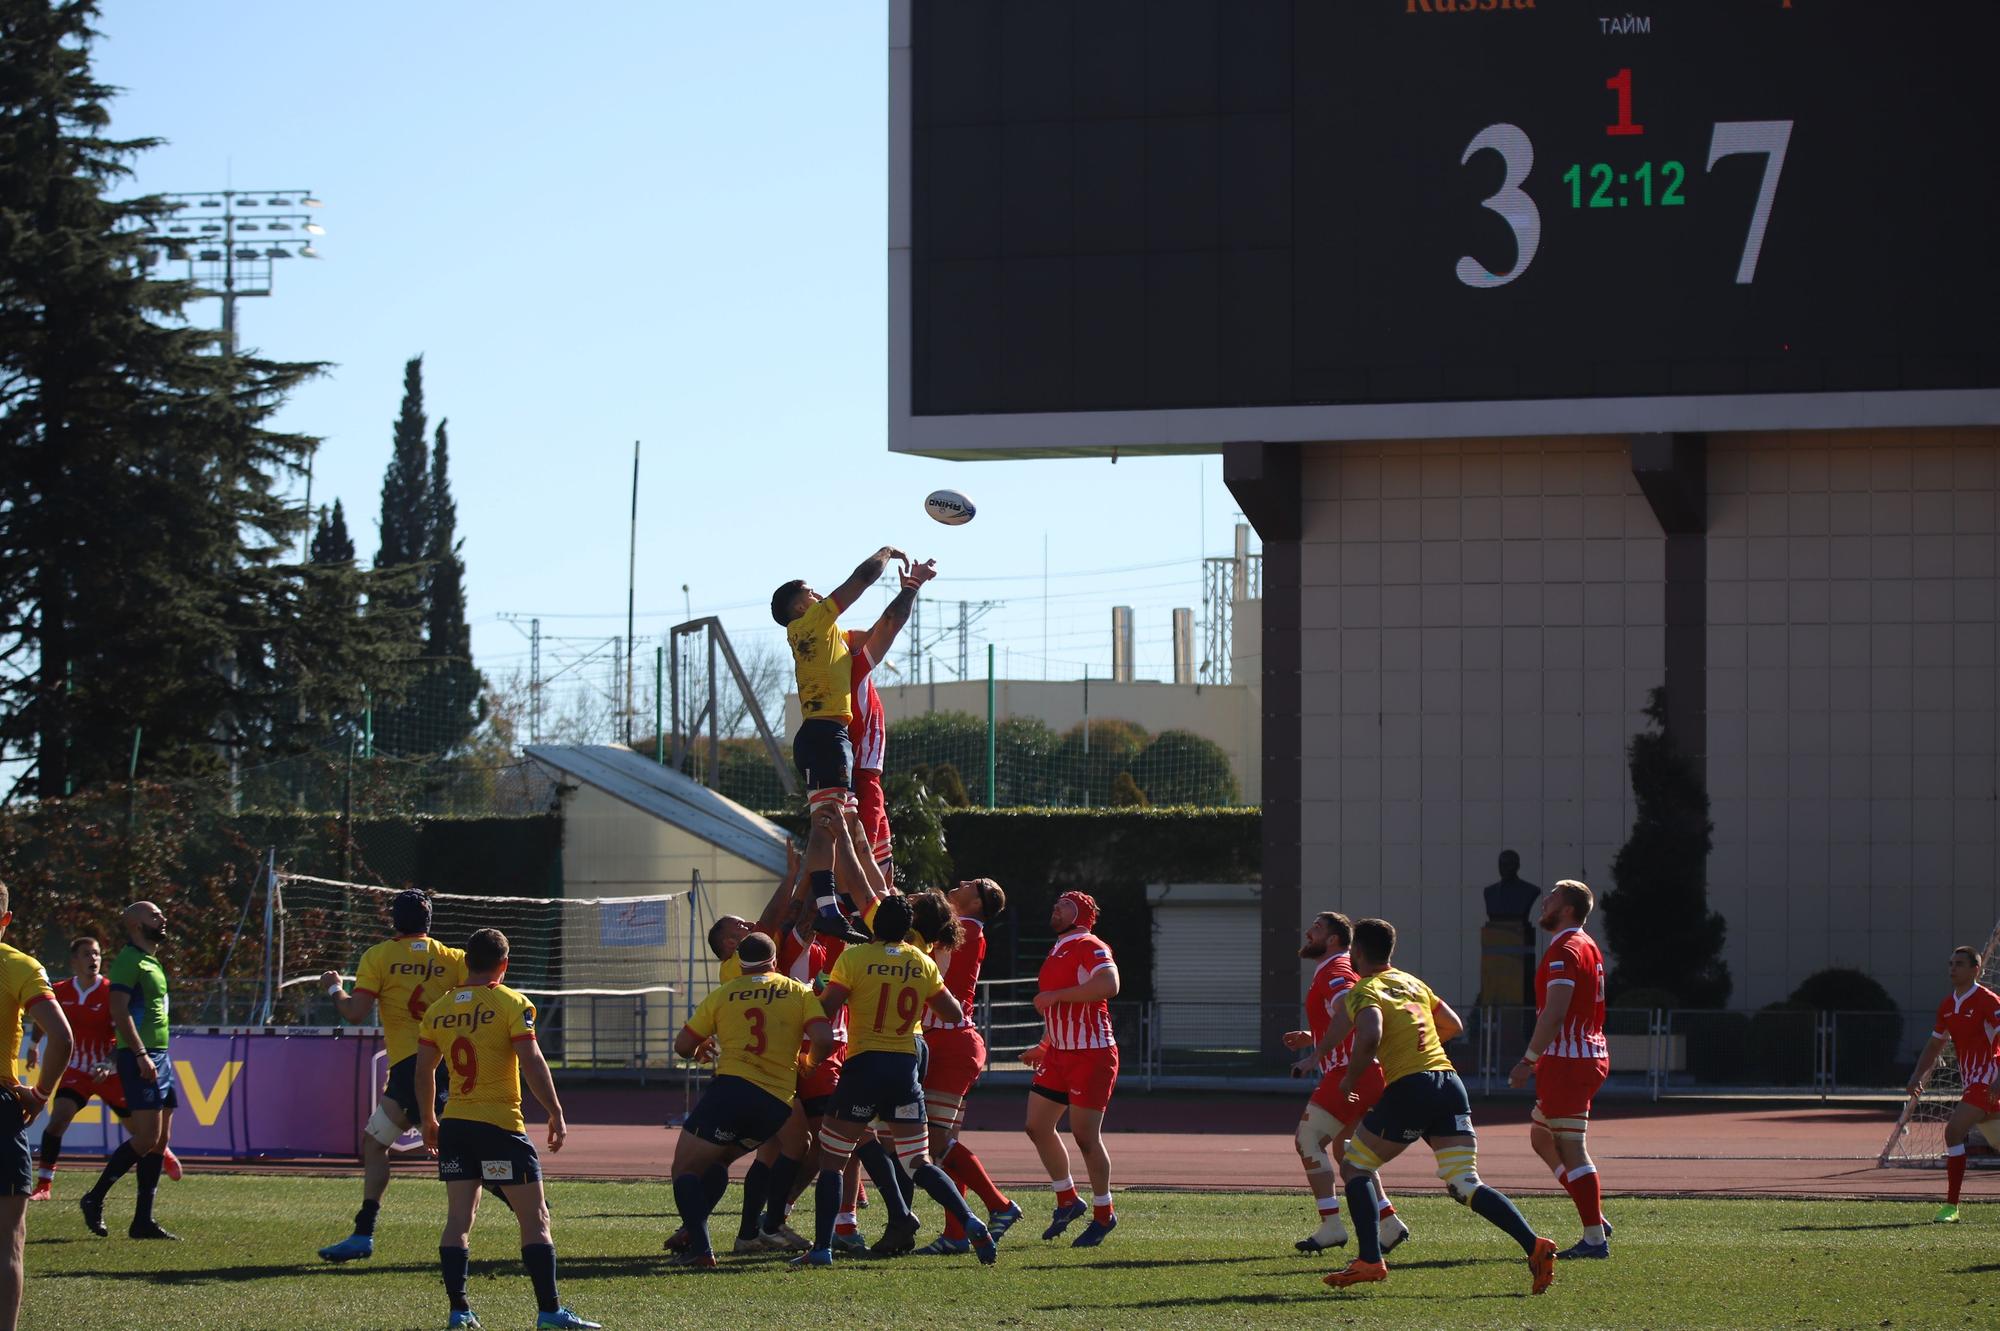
{"points": [[534, 681], [631, 582]]}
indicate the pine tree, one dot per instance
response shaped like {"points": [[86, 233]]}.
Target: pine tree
{"points": [[450, 697], [143, 582], [330, 543], [1663, 936]]}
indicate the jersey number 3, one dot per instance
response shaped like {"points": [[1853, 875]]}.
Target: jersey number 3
{"points": [[755, 1016]]}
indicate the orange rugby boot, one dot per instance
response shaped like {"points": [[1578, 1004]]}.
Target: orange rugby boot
{"points": [[1357, 1272], [1542, 1265]]}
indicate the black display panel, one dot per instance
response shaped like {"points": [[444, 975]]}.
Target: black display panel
{"points": [[1160, 204]]}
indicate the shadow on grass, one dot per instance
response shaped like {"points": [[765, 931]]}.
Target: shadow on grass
{"points": [[1989, 1268], [1875, 1224], [1142, 1263], [571, 1268]]}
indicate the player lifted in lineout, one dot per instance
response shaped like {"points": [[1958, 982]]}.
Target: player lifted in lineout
{"points": [[400, 976], [1399, 1022], [485, 1033], [1969, 1017], [1076, 1066], [85, 998], [1568, 1058], [823, 749], [1331, 1115]]}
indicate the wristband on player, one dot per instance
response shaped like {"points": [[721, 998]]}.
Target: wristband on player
{"points": [[334, 990], [1529, 1056]]}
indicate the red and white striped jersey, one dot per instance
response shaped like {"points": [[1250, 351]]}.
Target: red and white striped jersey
{"points": [[961, 977], [868, 727], [1972, 1021], [89, 1013], [1573, 959], [1076, 957], [1330, 983]]}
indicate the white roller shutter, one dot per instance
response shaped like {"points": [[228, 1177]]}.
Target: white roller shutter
{"points": [[1206, 965]]}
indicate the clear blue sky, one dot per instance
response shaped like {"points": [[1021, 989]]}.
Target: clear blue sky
{"points": [[645, 221]]}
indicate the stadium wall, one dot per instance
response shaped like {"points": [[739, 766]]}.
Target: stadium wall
{"points": [[1479, 622]]}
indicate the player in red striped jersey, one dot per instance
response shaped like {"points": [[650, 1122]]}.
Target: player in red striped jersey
{"points": [[1568, 1058], [958, 1057], [1076, 1065], [1969, 1017], [1330, 1114], [85, 998]]}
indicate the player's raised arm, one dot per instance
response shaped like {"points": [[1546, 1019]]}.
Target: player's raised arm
{"points": [[541, 1084], [353, 1008], [856, 874], [786, 894], [865, 574], [883, 635]]}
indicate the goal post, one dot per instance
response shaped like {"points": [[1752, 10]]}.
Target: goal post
{"points": [[610, 976], [1917, 1140]]}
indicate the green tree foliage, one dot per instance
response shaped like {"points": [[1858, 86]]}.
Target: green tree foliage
{"points": [[1125, 793], [949, 785], [1114, 746], [916, 812], [406, 488], [143, 538], [1663, 936], [1036, 767], [1180, 767]]}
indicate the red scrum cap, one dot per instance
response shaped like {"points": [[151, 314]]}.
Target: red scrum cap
{"points": [[1086, 908]]}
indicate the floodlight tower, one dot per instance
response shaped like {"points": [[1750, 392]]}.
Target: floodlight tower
{"points": [[230, 238]]}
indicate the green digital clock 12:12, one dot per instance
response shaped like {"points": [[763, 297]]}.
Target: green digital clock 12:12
{"points": [[1670, 176]]}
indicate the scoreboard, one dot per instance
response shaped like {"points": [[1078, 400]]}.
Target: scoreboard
{"points": [[1160, 224]]}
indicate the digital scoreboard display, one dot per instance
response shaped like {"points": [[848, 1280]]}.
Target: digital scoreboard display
{"points": [[1174, 223]]}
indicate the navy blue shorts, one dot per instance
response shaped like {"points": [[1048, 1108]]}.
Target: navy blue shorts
{"points": [[1422, 1104], [402, 1087], [140, 1094], [17, 1170], [735, 1111], [879, 1084], [823, 752], [485, 1153]]}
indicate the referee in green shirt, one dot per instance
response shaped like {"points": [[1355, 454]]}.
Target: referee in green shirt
{"points": [[145, 1069]]}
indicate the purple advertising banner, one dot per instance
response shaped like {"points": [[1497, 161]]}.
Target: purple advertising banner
{"points": [[251, 1094]]}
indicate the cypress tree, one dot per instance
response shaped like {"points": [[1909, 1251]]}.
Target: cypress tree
{"points": [[406, 486], [143, 535], [450, 696]]}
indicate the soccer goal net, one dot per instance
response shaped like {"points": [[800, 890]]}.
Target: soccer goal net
{"points": [[610, 976], [1917, 1140]]}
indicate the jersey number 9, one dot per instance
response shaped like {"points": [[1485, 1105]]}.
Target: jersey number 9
{"points": [[465, 1064], [907, 1007]]}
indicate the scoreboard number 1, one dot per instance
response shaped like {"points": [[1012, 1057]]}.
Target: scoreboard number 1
{"points": [[1513, 204]]}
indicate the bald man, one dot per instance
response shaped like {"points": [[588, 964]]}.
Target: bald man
{"points": [[145, 1070]]}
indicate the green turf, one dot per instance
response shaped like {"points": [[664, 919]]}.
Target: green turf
{"points": [[1177, 1259]]}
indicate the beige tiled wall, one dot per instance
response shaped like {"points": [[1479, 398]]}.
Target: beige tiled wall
{"points": [[1482, 620], [1852, 728]]}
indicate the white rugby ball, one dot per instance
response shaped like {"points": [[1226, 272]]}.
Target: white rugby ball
{"points": [[950, 507]]}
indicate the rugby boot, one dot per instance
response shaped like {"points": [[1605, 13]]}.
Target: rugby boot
{"points": [[170, 1165], [811, 1257], [1393, 1232], [1064, 1216], [944, 1247], [92, 1207], [898, 1237], [1356, 1272], [348, 1249], [44, 1191], [1542, 1265], [150, 1230], [678, 1241], [785, 1239], [1094, 1233], [982, 1243], [850, 1243], [1947, 1215], [1584, 1248], [694, 1261], [1000, 1221], [562, 1319], [461, 1321]]}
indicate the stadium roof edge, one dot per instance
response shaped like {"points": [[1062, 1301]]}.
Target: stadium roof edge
{"points": [[670, 796]]}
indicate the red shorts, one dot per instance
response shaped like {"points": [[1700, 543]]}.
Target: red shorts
{"points": [[874, 811], [817, 1085], [1564, 1087], [957, 1058], [1079, 1077], [81, 1086], [1980, 1096], [1349, 1108]]}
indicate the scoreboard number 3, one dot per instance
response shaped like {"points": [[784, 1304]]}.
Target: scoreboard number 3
{"points": [[1516, 209]]}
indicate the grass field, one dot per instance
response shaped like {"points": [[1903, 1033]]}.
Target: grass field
{"points": [[1177, 1260]]}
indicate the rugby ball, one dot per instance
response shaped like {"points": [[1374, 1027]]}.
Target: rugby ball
{"points": [[949, 507]]}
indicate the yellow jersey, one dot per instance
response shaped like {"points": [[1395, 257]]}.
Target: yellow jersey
{"points": [[403, 975], [476, 1027], [1409, 1032], [821, 663], [758, 1021], [868, 922], [888, 985], [23, 983]]}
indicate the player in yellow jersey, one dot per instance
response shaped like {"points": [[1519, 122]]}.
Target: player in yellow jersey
{"points": [[399, 976], [24, 992], [1397, 1021], [485, 1033], [885, 985], [823, 750], [756, 1021]]}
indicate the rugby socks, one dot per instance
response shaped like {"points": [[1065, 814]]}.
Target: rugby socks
{"points": [[115, 1168], [826, 1206], [455, 1262], [1332, 1232], [943, 1191], [1100, 1209], [716, 1181], [952, 1228], [1065, 1191], [964, 1166], [691, 1197], [784, 1171], [1587, 1191], [1496, 1209], [1954, 1171], [844, 1222], [540, 1259], [364, 1219], [756, 1187], [882, 1169], [148, 1170], [1361, 1197], [827, 901], [51, 1152]]}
